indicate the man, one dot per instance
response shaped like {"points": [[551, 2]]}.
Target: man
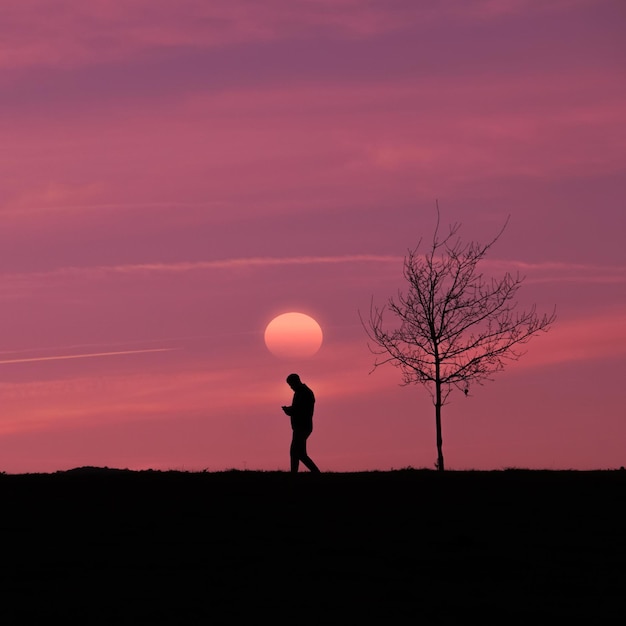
{"points": [[301, 414]]}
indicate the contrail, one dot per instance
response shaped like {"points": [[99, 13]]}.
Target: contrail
{"points": [[91, 355]]}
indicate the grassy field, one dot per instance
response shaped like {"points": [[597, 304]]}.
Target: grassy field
{"points": [[100, 546]]}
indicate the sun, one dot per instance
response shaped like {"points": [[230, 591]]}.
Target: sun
{"points": [[293, 335]]}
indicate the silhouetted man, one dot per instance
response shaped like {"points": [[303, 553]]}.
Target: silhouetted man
{"points": [[301, 414]]}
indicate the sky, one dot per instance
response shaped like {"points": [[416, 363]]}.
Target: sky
{"points": [[176, 173]]}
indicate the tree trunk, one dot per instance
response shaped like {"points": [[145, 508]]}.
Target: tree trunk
{"points": [[440, 465]]}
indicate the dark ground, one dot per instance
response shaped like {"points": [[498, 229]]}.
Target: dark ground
{"points": [[99, 546]]}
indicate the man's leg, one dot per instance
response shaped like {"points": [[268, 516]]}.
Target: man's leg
{"points": [[305, 458], [308, 461], [294, 451]]}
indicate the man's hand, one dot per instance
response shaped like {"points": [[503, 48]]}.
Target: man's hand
{"points": [[286, 409]]}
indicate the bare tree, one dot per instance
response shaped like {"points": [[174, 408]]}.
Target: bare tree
{"points": [[454, 326]]}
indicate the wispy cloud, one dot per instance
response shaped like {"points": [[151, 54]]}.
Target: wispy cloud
{"points": [[257, 262], [90, 355], [544, 272], [185, 266], [593, 338], [71, 34], [559, 272], [111, 397]]}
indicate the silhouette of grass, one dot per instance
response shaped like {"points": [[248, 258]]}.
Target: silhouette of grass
{"points": [[100, 545]]}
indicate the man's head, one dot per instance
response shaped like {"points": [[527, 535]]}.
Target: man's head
{"points": [[293, 380]]}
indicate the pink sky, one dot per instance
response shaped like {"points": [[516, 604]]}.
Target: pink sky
{"points": [[175, 173]]}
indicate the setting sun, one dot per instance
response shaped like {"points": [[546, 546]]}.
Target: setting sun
{"points": [[293, 335]]}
